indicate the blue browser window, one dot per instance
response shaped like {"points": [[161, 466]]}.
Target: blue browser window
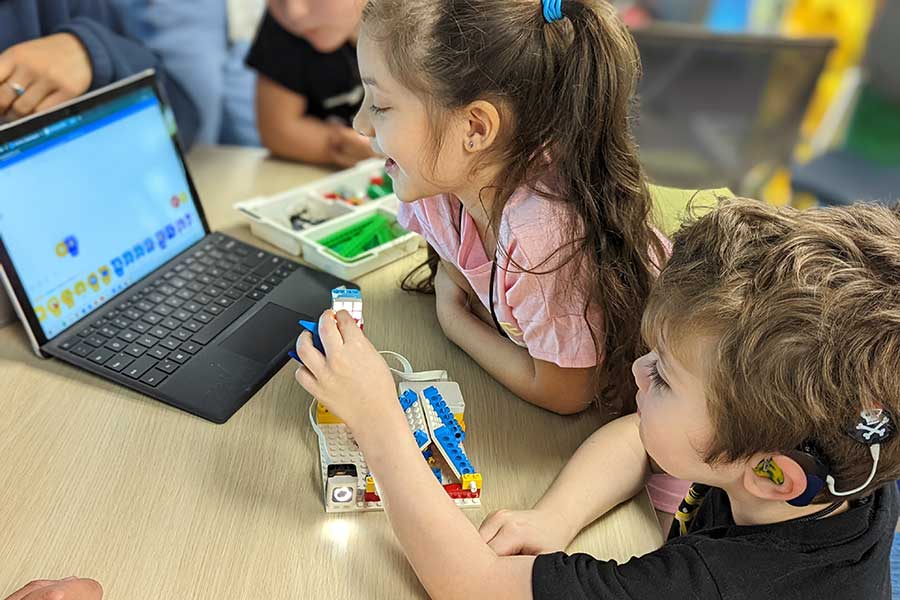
{"points": [[92, 204]]}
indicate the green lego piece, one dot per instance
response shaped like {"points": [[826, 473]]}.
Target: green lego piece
{"points": [[351, 243]]}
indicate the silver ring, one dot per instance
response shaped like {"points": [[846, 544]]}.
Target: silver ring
{"points": [[18, 89]]}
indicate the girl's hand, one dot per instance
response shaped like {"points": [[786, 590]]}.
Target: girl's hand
{"points": [[351, 378], [528, 532], [449, 303], [451, 300]]}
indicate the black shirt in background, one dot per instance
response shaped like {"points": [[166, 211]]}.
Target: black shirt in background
{"points": [[842, 557], [329, 82]]}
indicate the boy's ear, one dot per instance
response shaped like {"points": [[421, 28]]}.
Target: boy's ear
{"points": [[482, 126], [774, 477]]}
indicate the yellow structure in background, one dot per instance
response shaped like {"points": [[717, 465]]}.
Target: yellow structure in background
{"points": [[848, 22]]}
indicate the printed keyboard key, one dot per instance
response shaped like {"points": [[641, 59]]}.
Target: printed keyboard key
{"points": [[154, 378], [137, 369]]}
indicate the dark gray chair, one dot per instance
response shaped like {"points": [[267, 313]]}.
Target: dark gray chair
{"points": [[722, 110]]}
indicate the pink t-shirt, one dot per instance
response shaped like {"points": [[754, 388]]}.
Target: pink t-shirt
{"points": [[666, 492], [541, 311]]}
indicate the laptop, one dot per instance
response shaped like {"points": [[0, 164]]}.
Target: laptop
{"points": [[111, 266]]}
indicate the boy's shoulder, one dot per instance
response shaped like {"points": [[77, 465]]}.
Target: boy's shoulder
{"points": [[844, 556], [847, 553]]}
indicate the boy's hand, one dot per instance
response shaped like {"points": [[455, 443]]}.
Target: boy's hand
{"points": [[71, 588], [348, 147], [351, 379], [50, 69], [529, 532]]}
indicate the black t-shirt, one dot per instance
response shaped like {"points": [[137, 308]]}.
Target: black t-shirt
{"points": [[329, 82], [845, 556]]}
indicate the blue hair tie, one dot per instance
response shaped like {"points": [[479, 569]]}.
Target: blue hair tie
{"points": [[552, 10]]}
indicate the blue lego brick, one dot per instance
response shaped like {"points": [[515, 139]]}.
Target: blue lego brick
{"points": [[437, 473], [446, 416], [407, 399], [430, 392], [348, 293], [421, 437], [428, 454], [313, 328], [450, 443]]}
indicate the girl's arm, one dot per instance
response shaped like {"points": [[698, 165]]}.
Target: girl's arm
{"points": [[542, 383]]}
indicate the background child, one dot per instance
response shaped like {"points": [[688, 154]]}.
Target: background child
{"points": [[308, 87], [507, 133], [772, 331]]}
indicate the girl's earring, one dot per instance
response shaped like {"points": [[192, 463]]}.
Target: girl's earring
{"points": [[471, 144]]}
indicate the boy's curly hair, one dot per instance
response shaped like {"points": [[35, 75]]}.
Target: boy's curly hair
{"points": [[804, 308]]}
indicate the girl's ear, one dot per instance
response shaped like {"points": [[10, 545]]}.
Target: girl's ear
{"points": [[482, 126]]}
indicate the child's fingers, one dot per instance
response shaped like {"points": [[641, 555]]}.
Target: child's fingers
{"points": [[491, 525], [346, 324], [309, 356], [306, 379], [506, 543], [329, 333]]}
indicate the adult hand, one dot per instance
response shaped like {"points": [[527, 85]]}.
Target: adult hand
{"points": [[39, 74], [71, 588]]}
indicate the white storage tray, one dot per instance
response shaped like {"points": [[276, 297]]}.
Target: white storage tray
{"points": [[271, 219]]}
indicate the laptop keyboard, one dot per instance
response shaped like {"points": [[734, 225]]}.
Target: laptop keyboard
{"points": [[154, 332]]}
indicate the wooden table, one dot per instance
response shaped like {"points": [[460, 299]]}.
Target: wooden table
{"points": [[99, 481]]}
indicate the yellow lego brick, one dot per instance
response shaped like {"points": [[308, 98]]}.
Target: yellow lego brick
{"points": [[370, 485], [469, 479], [462, 422], [324, 417]]}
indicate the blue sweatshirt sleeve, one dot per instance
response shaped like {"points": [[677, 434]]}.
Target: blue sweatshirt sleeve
{"points": [[114, 56]]}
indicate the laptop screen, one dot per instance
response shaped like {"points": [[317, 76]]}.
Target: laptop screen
{"points": [[92, 203]]}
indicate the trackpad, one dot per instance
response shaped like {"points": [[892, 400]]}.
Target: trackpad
{"points": [[266, 333]]}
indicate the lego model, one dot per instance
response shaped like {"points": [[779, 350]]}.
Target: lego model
{"points": [[435, 414]]}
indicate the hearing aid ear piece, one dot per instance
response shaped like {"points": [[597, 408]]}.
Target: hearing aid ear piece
{"points": [[813, 465]]}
